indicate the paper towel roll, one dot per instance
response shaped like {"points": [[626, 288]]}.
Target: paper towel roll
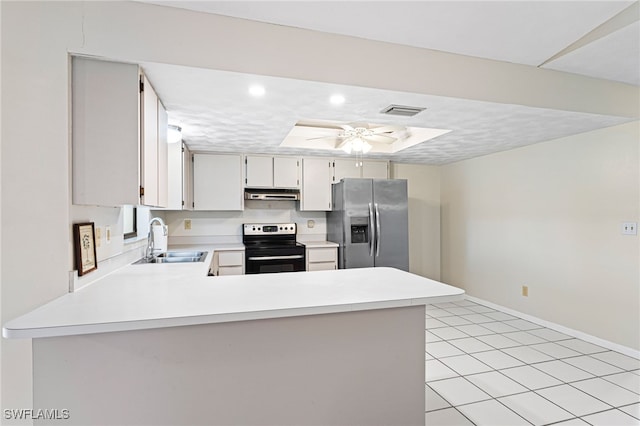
{"points": [[159, 238]]}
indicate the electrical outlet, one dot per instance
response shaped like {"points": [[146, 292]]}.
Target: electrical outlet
{"points": [[107, 234], [630, 228], [98, 236], [187, 224], [311, 223], [525, 291]]}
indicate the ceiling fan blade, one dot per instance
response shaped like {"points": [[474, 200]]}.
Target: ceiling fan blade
{"points": [[319, 124], [380, 138], [341, 144], [325, 137], [357, 124], [347, 127], [386, 129]]}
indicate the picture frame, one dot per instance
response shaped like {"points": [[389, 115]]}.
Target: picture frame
{"points": [[84, 244]]}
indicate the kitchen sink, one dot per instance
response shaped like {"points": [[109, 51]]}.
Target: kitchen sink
{"points": [[175, 257], [170, 254]]}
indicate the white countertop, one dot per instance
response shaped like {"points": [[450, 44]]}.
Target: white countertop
{"points": [[149, 296], [319, 244]]}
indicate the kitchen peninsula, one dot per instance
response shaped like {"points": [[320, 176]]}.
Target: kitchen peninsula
{"points": [[166, 344]]}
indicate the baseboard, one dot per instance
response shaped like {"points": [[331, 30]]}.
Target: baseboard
{"points": [[562, 329]]}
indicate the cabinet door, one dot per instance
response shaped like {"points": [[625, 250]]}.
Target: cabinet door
{"points": [[105, 107], [316, 184], [259, 171], [187, 178], [163, 157], [174, 176], [375, 169], [217, 182], [322, 259], [345, 168], [286, 172], [149, 144]]}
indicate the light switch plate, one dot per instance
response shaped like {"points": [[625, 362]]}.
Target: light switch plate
{"points": [[107, 234]]}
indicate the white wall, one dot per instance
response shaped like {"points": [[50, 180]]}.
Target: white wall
{"points": [[35, 176], [38, 36], [549, 216], [423, 184]]}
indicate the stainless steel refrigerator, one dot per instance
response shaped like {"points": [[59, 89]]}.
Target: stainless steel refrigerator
{"points": [[370, 223]]}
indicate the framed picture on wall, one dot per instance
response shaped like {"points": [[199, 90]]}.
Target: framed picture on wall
{"points": [[84, 244]]}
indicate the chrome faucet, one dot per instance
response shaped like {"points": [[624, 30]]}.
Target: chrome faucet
{"points": [[150, 240]]}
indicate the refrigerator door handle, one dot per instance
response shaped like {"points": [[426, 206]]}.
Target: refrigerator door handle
{"points": [[372, 237], [377, 230]]}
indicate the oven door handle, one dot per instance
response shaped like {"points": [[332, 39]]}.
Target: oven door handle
{"points": [[294, 256]]}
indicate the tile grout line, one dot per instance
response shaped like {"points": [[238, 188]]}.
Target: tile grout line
{"points": [[454, 324], [561, 329]]}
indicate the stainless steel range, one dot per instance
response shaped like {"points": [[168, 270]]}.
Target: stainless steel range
{"points": [[272, 247]]}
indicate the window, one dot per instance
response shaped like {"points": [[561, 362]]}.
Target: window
{"points": [[130, 224]]}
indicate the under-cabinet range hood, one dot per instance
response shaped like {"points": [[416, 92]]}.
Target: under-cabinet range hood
{"points": [[271, 194]]}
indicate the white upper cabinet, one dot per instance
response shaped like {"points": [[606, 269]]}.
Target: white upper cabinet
{"points": [[116, 152], [149, 145], [105, 133], [217, 182], [286, 172], [375, 169], [154, 150], [345, 168], [349, 168], [163, 156], [272, 172], [317, 174], [259, 171], [187, 178], [175, 176]]}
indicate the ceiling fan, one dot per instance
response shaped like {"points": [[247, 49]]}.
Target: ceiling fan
{"points": [[356, 136]]}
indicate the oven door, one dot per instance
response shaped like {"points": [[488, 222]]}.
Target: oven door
{"points": [[264, 261]]}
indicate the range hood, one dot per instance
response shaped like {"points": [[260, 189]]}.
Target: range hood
{"points": [[271, 194]]}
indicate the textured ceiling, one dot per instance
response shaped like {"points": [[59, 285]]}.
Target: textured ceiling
{"points": [[217, 114], [594, 38]]}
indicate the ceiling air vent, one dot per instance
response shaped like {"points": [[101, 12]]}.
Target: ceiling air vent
{"points": [[405, 111]]}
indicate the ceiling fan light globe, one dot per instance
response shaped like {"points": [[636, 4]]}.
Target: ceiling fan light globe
{"points": [[347, 147], [358, 144]]}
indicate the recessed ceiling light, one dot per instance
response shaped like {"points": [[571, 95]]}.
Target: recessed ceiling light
{"points": [[337, 99], [256, 91]]}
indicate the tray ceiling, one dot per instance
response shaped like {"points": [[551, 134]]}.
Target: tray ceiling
{"points": [[217, 114]]}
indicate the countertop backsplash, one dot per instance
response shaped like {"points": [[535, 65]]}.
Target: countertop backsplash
{"points": [[215, 227]]}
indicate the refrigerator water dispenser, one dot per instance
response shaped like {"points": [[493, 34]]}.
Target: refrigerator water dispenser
{"points": [[359, 230]]}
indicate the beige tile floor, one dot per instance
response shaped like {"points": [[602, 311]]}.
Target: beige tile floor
{"points": [[486, 367]]}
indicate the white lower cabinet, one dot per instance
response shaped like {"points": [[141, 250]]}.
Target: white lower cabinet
{"points": [[322, 259], [227, 262]]}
